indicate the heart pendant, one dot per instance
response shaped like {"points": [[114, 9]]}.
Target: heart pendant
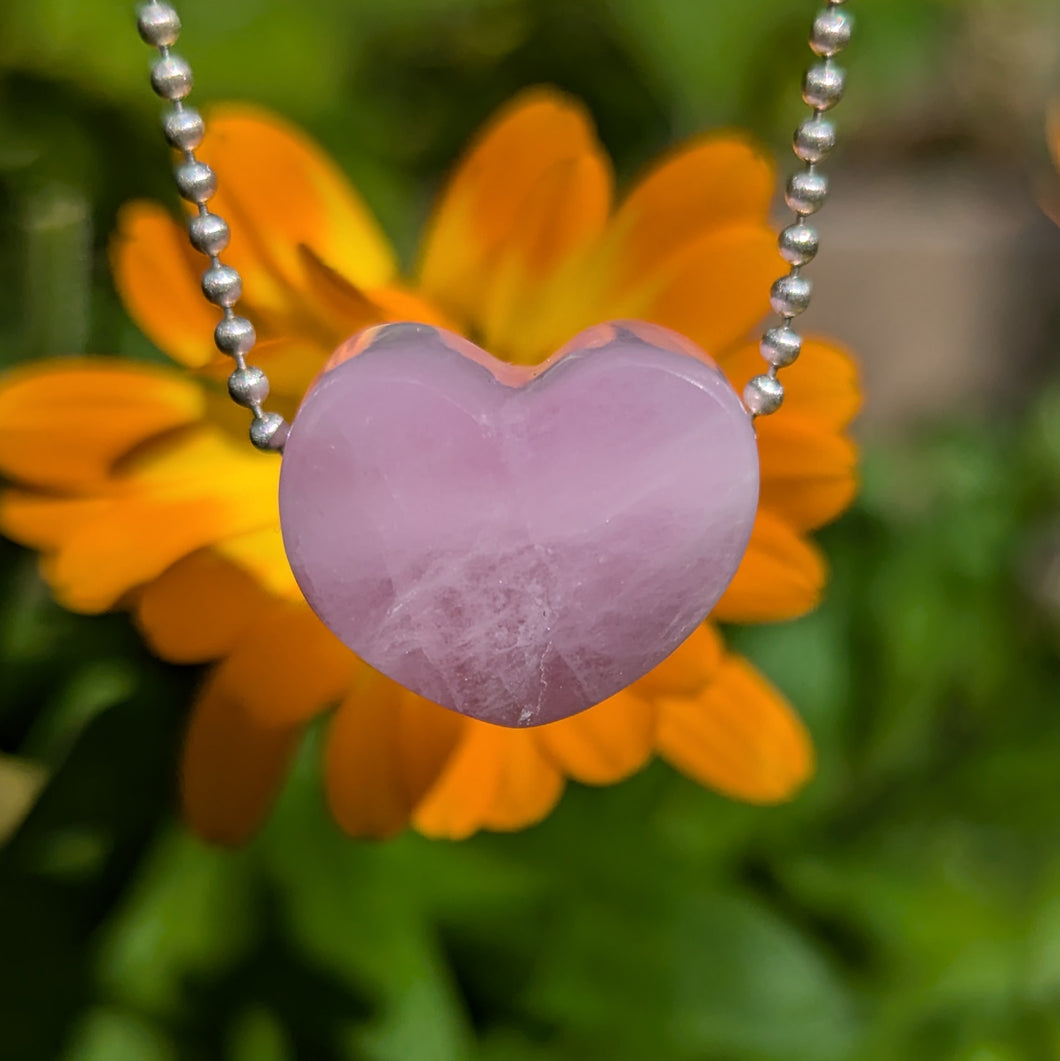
{"points": [[517, 544]]}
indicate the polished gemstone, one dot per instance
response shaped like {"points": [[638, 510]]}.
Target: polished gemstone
{"points": [[517, 544]]}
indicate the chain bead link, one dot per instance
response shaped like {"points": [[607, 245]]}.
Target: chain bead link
{"points": [[171, 78], [806, 192]]}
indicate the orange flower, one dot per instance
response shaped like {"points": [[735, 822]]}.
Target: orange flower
{"points": [[139, 488]]}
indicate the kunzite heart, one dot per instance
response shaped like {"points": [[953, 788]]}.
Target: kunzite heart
{"points": [[517, 544]]}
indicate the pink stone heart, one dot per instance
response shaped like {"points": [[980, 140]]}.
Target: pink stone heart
{"points": [[517, 544]]}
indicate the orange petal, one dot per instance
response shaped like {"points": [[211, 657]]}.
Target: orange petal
{"points": [[808, 473], [739, 737], [197, 609], [260, 553], [43, 522], [534, 190], [707, 184], [781, 576], [604, 744], [157, 274], [280, 191], [495, 778], [286, 667], [528, 788], [386, 747], [233, 766], [191, 491], [687, 669], [821, 387], [64, 423], [561, 216], [716, 289]]}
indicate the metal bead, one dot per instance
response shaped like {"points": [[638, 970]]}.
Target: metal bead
{"points": [[269, 431], [159, 24], [763, 395], [798, 243], [781, 346], [790, 295], [814, 139], [234, 336], [171, 77], [208, 233], [222, 285], [248, 386], [831, 32], [196, 182], [822, 85], [806, 192], [184, 128]]}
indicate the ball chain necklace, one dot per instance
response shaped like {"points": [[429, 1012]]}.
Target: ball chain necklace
{"points": [[513, 543]]}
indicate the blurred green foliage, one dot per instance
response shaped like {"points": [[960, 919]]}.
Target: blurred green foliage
{"points": [[906, 906]]}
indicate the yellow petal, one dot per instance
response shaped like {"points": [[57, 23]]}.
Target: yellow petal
{"points": [[604, 744], [709, 183], [533, 191], [190, 491], [260, 553], [386, 748], [196, 610], [496, 778], [233, 766], [739, 737], [781, 576], [64, 423]]}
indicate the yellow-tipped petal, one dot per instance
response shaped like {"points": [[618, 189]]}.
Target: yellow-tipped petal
{"points": [[533, 192]]}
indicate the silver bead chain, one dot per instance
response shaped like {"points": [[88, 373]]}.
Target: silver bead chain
{"points": [[822, 89], [184, 128]]}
